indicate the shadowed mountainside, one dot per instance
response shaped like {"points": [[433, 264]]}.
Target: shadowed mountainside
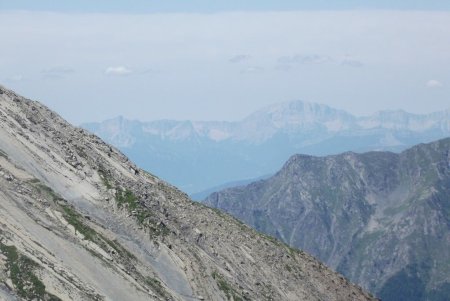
{"points": [[381, 219]]}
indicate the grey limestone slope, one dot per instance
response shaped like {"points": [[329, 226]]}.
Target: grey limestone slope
{"points": [[380, 218], [79, 221]]}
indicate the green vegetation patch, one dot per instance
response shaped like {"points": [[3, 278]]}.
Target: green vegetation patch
{"points": [[288, 268], [33, 181], [69, 213], [75, 219], [3, 154], [21, 269], [118, 248], [225, 287], [106, 179], [216, 210], [126, 199], [45, 189], [156, 286]]}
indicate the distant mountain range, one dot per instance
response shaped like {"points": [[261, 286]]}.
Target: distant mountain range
{"points": [[379, 218], [197, 155]]}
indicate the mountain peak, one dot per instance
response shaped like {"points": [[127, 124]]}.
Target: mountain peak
{"points": [[293, 116], [296, 107]]}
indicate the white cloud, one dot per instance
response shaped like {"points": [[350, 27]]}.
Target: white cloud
{"points": [[305, 59], [148, 71], [283, 67], [253, 69], [317, 59], [349, 62], [118, 71], [58, 69], [56, 72], [240, 58], [433, 83]]}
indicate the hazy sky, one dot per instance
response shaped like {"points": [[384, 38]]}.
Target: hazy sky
{"points": [[207, 60]]}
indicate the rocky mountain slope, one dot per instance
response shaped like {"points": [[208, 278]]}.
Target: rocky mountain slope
{"points": [[79, 221], [380, 218], [183, 152]]}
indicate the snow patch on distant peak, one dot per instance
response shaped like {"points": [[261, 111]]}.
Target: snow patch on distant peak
{"points": [[218, 135]]}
